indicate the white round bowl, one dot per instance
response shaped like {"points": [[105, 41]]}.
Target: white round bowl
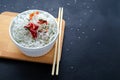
{"points": [[34, 51]]}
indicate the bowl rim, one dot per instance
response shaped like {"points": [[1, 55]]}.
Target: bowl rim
{"points": [[51, 42]]}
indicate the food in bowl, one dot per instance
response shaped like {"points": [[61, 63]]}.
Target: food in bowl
{"points": [[34, 32]]}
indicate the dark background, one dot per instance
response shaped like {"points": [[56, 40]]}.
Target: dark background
{"points": [[91, 48]]}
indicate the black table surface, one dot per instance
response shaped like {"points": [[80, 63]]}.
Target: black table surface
{"points": [[91, 48]]}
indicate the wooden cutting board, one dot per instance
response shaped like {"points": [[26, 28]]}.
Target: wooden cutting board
{"points": [[10, 51]]}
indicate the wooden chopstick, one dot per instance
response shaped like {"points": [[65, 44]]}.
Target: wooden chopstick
{"points": [[56, 45], [59, 42]]}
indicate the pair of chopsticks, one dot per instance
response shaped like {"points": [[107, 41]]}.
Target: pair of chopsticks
{"points": [[57, 54]]}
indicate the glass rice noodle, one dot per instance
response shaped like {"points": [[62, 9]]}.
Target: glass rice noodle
{"points": [[45, 32]]}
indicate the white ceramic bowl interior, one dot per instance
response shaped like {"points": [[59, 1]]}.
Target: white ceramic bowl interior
{"points": [[34, 52]]}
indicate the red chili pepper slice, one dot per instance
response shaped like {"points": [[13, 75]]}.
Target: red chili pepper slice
{"points": [[33, 29], [42, 21]]}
